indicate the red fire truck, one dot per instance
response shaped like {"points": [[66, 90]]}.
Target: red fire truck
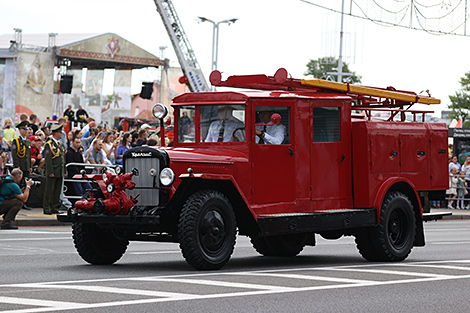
{"points": [[280, 163]]}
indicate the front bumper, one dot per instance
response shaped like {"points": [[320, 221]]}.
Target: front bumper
{"points": [[137, 220]]}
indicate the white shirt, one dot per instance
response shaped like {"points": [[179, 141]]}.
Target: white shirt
{"points": [[274, 134], [456, 165], [55, 140], [230, 125], [108, 147]]}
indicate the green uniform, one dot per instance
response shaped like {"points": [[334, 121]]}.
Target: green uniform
{"points": [[54, 155], [21, 153]]}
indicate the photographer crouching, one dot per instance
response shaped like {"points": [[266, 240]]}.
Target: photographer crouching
{"points": [[12, 198]]}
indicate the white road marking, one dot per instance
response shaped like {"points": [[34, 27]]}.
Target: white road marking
{"points": [[259, 289], [234, 294], [36, 239], [389, 272], [124, 291], [447, 267], [449, 243], [220, 283], [307, 277], [36, 302], [155, 252]]}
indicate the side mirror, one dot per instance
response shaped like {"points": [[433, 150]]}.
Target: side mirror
{"points": [[275, 118]]}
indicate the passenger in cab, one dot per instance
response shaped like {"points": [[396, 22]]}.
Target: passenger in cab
{"points": [[223, 129]]}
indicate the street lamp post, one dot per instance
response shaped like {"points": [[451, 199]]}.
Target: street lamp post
{"points": [[215, 38]]}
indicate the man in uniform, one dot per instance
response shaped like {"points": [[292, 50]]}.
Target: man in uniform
{"points": [[21, 149], [54, 154], [69, 113], [21, 153]]}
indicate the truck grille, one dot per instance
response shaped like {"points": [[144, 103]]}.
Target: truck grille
{"points": [[147, 182]]}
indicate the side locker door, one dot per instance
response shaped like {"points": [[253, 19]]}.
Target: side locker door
{"points": [[438, 155], [331, 176], [384, 152]]}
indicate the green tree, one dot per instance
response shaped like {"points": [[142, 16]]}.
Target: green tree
{"points": [[320, 68], [460, 101]]}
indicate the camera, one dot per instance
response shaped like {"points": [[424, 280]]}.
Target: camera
{"points": [[36, 183]]}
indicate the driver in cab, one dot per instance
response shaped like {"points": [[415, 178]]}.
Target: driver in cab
{"points": [[223, 129], [272, 134]]}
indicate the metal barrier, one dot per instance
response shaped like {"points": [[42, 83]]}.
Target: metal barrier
{"points": [[86, 166]]}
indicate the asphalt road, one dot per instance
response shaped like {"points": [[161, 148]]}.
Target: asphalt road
{"points": [[41, 272]]}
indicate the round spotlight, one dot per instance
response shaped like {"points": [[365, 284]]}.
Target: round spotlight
{"points": [[159, 111]]}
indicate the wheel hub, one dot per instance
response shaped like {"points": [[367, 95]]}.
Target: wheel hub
{"points": [[396, 229], [212, 231]]}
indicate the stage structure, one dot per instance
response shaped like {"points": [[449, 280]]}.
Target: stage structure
{"points": [[46, 73]]}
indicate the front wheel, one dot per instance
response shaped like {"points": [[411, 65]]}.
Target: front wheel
{"points": [[98, 246], [207, 230], [393, 238]]}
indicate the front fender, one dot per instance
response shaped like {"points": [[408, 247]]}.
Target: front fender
{"points": [[215, 177]]}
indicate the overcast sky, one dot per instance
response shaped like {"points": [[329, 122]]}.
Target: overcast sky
{"points": [[268, 35]]}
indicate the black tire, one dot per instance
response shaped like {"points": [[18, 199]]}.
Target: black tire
{"points": [[207, 230], [98, 246], [286, 245], [365, 246], [260, 245], [393, 238]]}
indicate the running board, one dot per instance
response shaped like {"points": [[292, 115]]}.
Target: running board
{"points": [[280, 224]]}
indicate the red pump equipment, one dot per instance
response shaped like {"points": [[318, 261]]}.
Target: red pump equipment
{"points": [[113, 188]]}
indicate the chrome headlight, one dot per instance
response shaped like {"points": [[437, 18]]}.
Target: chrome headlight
{"points": [[167, 176], [159, 111]]}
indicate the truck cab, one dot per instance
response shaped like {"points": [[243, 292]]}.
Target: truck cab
{"points": [[278, 164]]}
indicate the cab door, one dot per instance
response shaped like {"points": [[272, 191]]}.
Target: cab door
{"points": [[273, 162], [330, 152]]}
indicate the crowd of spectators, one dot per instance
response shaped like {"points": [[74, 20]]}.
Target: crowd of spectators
{"points": [[87, 143], [459, 181]]}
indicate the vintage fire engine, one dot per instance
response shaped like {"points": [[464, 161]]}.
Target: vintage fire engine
{"points": [[281, 161]]}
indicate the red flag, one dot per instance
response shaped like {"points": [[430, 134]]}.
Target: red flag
{"points": [[459, 123]]}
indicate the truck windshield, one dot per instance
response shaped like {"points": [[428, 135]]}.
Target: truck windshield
{"points": [[222, 123], [186, 124]]}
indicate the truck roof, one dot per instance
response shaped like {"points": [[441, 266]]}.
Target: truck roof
{"points": [[242, 96]]}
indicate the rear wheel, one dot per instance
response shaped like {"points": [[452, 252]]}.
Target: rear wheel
{"points": [[207, 230], [393, 238], [260, 245], [98, 246]]}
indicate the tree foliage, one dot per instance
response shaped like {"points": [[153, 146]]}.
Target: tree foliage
{"points": [[460, 101], [320, 68]]}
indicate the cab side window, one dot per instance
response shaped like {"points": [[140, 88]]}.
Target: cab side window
{"points": [[326, 124], [186, 124], [272, 125], [222, 123]]}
